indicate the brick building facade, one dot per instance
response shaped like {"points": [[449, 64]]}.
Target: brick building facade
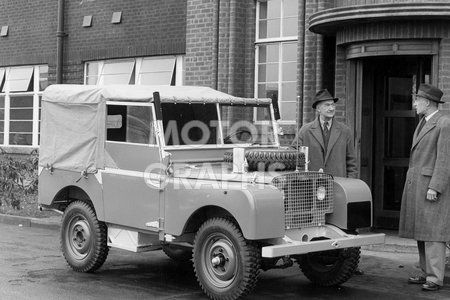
{"points": [[371, 54]]}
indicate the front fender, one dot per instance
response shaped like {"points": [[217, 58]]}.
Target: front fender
{"points": [[257, 208]]}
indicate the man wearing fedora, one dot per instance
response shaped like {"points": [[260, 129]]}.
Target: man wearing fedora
{"points": [[330, 142], [425, 208]]}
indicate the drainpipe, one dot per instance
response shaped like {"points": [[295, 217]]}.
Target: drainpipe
{"points": [[217, 43], [301, 88], [60, 34], [232, 45], [301, 77]]}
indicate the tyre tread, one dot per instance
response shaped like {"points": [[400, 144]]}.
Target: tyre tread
{"points": [[337, 277], [252, 261], [101, 252]]}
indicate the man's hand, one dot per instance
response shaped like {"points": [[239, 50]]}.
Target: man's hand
{"points": [[432, 195]]}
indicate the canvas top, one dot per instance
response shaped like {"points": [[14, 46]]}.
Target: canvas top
{"points": [[73, 123], [91, 94]]}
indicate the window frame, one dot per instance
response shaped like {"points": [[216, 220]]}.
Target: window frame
{"points": [[137, 61], [36, 94], [143, 104], [272, 41]]}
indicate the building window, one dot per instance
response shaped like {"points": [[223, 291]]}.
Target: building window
{"points": [[20, 101], [161, 70], [276, 54]]}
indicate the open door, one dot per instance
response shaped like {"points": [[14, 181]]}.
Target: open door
{"points": [[388, 121]]}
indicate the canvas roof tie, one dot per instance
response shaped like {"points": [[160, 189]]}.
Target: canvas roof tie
{"points": [[84, 174], [49, 168]]}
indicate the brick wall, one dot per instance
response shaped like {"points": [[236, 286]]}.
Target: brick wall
{"points": [[201, 43], [219, 45], [155, 27], [319, 61], [32, 32]]}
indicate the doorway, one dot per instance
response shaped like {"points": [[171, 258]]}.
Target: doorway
{"points": [[388, 121]]}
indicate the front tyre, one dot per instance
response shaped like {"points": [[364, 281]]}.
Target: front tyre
{"points": [[83, 238], [330, 268], [226, 264]]}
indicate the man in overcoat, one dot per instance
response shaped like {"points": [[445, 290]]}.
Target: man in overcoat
{"points": [[330, 142], [425, 209]]}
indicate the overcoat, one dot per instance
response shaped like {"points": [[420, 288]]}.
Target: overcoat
{"points": [[429, 167], [339, 159]]}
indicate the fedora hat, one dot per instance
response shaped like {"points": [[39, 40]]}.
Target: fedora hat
{"points": [[430, 92], [323, 95]]}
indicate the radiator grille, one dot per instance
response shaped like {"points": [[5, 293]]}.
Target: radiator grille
{"points": [[301, 204]]}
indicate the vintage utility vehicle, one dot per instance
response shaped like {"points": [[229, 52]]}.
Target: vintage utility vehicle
{"points": [[199, 174]]}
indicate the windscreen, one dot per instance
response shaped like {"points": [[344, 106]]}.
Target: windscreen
{"points": [[240, 126], [190, 123]]}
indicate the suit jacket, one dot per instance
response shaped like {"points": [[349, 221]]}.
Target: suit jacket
{"points": [[339, 159], [429, 167]]}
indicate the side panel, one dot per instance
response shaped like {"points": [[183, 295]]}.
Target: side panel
{"points": [[129, 201], [51, 184], [258, 208]]}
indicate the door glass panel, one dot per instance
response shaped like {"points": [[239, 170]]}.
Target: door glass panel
{"points": [[131, 124], [400, 90], [394, 178], [398, 137]]}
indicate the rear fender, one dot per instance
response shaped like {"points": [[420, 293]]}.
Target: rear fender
{"points": [[58, 188]]}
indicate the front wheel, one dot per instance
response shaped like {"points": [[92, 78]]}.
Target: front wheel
{"points": [[226, 264], [83, 238], [330, 268]]}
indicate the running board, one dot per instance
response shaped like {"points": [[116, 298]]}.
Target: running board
{"points": [[132, 240]]}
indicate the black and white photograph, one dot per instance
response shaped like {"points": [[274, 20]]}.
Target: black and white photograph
{"points": [[224, 149]]}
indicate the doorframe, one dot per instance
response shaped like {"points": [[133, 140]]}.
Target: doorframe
{"points": [[354, 83]]}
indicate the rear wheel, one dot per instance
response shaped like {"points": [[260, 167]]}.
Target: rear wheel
{"points": [[225, 263], [329, 268], [83, 238]]}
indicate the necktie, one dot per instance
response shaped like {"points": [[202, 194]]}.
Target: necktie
{"points": [[326, 136], [421, 124], [326, 131]]}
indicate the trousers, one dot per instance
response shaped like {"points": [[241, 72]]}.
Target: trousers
{"points": [[432, 260]]}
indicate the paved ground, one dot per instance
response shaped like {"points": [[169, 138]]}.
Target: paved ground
{"points": [[32, 267]]}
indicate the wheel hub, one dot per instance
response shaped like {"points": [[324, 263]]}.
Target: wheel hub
{"points": [[80, 237], [222, 257]]}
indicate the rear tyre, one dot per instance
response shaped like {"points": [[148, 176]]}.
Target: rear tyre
{"points": [[177, 253], [330, 268], [83, 238], [226, 264]]}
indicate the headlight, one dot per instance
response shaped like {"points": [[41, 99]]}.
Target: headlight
{"points": [[321, 193]]}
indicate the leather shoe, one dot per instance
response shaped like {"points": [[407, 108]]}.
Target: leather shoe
{"points": [[417, 279], [430, 286]]}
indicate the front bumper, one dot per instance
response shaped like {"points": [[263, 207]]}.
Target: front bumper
{"points": [[288, 246]]}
